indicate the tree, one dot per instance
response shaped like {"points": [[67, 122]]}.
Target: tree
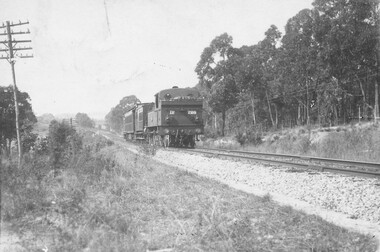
{"points": [[7, 117], [114, 118], [84, 120], [257, 77], [64, 142], [300, 63], [215, 70], [349, 31], [325, 70], [268, 54]]}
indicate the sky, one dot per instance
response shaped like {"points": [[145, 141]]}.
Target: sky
{"points": [[89, 54]]}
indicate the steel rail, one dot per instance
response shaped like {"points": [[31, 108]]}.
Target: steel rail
{"points": [[309, 158], [348, 171]]}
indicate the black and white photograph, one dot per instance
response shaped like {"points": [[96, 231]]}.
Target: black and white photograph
{"points": [[189, 125]]}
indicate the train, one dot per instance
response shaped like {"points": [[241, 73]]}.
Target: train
{"points": [[174, 119]]}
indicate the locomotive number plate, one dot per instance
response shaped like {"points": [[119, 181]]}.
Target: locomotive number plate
{"points": [[191, 112]]}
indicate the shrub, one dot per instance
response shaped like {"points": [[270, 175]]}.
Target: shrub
{"points": [[249, 137], [28, 141], [209, 132], [64, 142], [41, 145], [304, 144]]}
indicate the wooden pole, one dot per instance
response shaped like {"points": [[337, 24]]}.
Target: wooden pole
{"points": [[12, 62]]}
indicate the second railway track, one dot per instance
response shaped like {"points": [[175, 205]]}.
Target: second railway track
{"points": [[347, 167]]}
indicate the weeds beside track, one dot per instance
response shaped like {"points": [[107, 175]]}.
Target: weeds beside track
{"points": [[110, 199]]}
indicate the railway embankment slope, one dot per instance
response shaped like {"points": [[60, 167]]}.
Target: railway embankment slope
{"points": [[350, 202]]}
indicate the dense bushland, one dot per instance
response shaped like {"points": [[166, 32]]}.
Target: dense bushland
{"points": [[323, 70]]}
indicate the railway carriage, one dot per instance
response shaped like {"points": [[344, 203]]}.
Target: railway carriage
{"points": [[174, 119], [135, 121]]}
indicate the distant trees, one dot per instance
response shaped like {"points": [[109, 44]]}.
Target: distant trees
{"points": [[114, 118], [8, 120], [84, 120], [46, 118], [323, 70]]}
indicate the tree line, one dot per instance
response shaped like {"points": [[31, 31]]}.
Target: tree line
{"points": [[27, 120], [324, 70]]}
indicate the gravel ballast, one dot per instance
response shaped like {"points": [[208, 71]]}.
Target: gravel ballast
{"points": [[356, 199]]}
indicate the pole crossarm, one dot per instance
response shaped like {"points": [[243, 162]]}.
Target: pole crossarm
{"points": [[26, 56], [16, 41], [15, 33], [16, 49], [14, 24]]}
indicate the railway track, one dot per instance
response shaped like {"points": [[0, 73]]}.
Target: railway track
{"points": [[347, 167]]}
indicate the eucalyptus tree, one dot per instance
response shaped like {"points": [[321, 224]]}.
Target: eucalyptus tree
{"points": [[299, 66], [268, 56], [255, 77], [216, 73], [248, 78], [348, 32]]}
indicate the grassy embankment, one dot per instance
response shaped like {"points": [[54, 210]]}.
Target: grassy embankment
{"points": [[107, 199], [352, 142]]}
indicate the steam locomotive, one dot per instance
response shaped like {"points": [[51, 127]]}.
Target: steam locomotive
{"points": [[174, 119]]}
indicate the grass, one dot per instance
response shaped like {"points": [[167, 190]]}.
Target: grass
{"points": [[352, 142], [107, 199]]}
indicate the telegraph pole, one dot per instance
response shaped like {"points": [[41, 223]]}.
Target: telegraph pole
{"points": [[11, 49]]}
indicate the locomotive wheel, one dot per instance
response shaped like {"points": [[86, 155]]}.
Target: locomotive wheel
{"points": [[185, 142], [192, 142]]}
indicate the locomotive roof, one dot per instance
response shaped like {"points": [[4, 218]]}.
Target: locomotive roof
{"points": [[173, 93]]}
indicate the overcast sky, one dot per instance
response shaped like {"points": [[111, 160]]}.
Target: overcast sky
{"points": [[89, 54]]}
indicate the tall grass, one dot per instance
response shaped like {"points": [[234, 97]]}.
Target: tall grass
{"points": [[362, 144], [107, 199], [352, 143]]}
